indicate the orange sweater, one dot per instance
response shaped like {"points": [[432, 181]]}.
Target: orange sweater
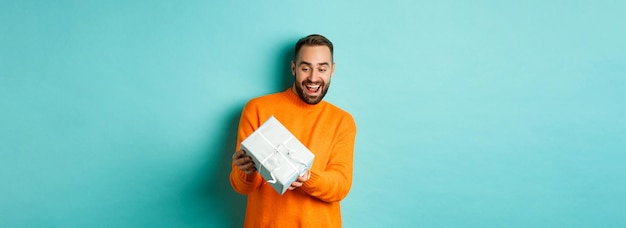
{"points": [[329, 133]]}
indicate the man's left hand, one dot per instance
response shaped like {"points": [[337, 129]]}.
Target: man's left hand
{"points": [[300, 181]]}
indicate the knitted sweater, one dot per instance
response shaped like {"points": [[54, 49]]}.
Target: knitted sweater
{"points": [[329, 133]]}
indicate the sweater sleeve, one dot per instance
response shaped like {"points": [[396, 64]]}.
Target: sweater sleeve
{"points": [[333, 183], [241, 182]]}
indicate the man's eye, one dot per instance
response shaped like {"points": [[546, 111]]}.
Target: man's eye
{"points": [[322, 70], [305, 69]]}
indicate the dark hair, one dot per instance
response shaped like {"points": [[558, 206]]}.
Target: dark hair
{"points": [[313, 40]]}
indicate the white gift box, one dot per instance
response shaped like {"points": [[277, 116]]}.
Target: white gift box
{"points": [[278, 156]]}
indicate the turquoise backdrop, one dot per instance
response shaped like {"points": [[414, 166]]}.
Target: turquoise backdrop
{"points": [[470, 113]]}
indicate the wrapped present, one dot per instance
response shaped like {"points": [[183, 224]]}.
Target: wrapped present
{"points": [[278, 156]]}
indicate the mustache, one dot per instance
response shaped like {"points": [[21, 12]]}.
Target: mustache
{"points": [[309, 82]]}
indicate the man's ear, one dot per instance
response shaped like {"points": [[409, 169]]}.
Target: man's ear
{"points": [[293, 68], [332, 70]]}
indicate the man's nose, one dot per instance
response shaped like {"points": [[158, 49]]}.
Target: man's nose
{"points": [[313, 75]]}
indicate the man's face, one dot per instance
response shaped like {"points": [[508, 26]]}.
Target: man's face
{"points": [[312, 69]]}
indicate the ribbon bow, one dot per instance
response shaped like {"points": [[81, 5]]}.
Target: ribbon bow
{"points": [[287, 158]]}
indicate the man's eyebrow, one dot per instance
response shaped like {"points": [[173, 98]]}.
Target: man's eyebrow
{"points": [[310, 64], [305, 62]]}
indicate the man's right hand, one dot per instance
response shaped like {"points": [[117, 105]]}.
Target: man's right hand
{"points": [[243, 162]]}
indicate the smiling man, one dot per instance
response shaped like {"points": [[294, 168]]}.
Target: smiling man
{"points": [[326, 130]]}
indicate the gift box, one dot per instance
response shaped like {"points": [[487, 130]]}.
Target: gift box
{"points": [[278, 156]]}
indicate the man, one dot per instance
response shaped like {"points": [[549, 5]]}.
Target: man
{"points": [[327, 131]]}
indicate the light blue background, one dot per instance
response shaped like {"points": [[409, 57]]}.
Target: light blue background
{"points": [[469, 113]]}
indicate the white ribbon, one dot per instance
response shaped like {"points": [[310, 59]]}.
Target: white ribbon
{"points": [[277, 151]]}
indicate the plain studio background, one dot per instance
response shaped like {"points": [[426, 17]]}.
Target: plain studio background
{"points": [[469, 113]]}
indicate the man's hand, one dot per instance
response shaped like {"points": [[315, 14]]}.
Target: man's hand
{"points": [[300, 181], [243, 162]]}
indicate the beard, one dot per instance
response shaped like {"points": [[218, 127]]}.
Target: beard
{"points": [[311, 99]]}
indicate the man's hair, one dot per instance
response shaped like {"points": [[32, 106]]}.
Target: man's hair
{"points": [[313, 40]]}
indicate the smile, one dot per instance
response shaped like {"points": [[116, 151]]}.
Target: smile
{"points": [[313, 88]]}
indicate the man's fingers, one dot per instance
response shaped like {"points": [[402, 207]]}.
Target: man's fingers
{"points": [[240, 158], [248, 166], [245, 164], [302, 178], [299, 182], [238, 154], [241, 161], [296, 184]]}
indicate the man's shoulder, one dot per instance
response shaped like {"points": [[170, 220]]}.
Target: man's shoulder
{"points": [[336, 110]]}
